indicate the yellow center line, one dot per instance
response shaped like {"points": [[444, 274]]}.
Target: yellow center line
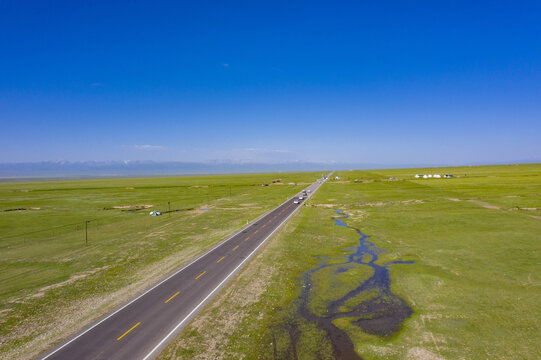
{"points": [[255, 232], [198, 276], [133, 327], [166, 301], [264, 225], [235, 248], [220, 259], [248, 238]]}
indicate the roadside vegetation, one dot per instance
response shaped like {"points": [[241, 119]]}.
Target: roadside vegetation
{"points": [[52, 282], [474, 284]]}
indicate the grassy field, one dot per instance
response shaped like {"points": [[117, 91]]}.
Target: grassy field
{"points": [[474, 284], [52, 283]]}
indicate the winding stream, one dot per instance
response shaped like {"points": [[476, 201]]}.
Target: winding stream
{"points": [[371, 305]]}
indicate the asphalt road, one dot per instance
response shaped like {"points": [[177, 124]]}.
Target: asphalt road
{"points": [[143, 327]]}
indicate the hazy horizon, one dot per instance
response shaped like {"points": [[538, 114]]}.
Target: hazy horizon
{"points": [[113, 169]]}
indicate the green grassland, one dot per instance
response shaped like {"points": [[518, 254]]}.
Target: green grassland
{"points": [[474, 286], [52, 283]]}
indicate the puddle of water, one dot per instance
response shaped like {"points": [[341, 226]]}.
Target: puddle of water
{"points": [[380, 314]]}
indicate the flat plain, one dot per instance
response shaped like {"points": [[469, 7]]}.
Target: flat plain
{"points": [[59, 273], [462, 253]]}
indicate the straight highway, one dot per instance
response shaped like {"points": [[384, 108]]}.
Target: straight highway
{"points": [[142, 328]]}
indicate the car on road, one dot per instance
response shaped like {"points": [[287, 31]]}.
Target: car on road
{"points": [[296, 202], [300, 198]]}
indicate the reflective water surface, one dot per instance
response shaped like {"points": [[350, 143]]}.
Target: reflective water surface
{"points": [[369, 304]]}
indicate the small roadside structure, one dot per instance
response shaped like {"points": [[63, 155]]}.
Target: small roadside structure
{"points": [[155, 213]]}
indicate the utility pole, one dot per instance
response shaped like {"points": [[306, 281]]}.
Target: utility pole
{"points": [[86, 232]]}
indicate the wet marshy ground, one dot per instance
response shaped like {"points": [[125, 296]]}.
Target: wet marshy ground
{"points": [[363, 297]]}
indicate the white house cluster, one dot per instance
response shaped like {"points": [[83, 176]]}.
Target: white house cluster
{"points": [[436, 176]]}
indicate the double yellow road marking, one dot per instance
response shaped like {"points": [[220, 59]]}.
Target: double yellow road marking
{"points": [[235, 248], [126, 333], [198, 276], [223, 257]]}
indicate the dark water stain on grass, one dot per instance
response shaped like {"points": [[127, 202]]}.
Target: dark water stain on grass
{"points": [[371, 305]]}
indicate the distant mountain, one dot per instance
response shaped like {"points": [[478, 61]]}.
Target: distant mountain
{"points": [[98, 169], [85, 169]]}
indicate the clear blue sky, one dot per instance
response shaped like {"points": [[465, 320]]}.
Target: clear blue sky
{"points": [[396, 82]]}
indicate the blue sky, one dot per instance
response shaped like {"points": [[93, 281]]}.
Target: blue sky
{"points": [[442, 82]]}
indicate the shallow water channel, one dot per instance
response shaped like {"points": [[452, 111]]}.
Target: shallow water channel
{"points": [[369, 304]]}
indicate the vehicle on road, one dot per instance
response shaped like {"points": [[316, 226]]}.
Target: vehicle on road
{"points": [[296, 202]]}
